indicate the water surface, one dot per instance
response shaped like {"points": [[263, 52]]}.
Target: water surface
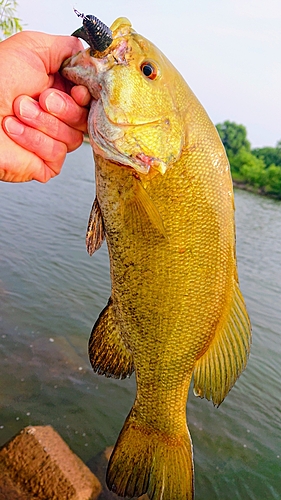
{"points": [[51, 293]]}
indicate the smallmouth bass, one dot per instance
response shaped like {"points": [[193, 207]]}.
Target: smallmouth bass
{"points": [[164, 203]]}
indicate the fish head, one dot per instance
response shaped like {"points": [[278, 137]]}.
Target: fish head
{"points": [[137, 112]]}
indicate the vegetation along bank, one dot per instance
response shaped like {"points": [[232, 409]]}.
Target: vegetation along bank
{"points": [[258, 169]]}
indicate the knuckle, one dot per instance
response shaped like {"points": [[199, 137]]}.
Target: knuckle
{"points": [[58, 152], [75, 142]]}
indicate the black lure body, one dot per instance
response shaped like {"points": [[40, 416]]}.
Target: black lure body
{"points": [[94, 32]]}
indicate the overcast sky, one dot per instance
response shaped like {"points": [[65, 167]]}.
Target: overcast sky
{"points": [[229, 51]]}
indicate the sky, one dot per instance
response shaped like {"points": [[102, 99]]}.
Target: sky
{"points": [[228, 51]]}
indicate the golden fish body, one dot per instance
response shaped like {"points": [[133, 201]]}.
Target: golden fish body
{"points": [[165, 205]]}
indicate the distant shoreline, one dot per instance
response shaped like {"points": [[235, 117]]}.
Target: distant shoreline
{"points": [[256, 190]]}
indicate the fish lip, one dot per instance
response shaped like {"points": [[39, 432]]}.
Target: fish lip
{"points": [[82, 69]]}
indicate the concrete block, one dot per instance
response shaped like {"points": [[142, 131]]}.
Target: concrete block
{"points": [[9, 490], [40, 465]]}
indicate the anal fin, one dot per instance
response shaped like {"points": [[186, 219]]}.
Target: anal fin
{"points": [[217, 370], [95, 230], [108, 354]]}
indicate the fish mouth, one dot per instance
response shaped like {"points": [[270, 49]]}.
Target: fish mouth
{"points": [[80, 70]]}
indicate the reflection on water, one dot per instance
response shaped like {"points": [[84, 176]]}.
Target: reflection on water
{"points": [[51, 292]]}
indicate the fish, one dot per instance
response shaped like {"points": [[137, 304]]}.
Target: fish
{"points": [[165, 206]]}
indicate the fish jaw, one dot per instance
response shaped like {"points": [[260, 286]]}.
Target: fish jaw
{"points": [[82, 69], [109, 141]]}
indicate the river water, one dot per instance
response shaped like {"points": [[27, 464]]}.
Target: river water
{"points": [[51, 292]]}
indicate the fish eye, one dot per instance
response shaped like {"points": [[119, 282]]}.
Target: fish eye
{"points": [[149, 70]]}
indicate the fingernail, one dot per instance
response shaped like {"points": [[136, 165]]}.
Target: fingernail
{"points": [[55, 103], [28, 108], [13, 126]]}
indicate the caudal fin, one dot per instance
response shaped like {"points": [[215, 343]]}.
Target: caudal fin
{"points": [[145, 460]]}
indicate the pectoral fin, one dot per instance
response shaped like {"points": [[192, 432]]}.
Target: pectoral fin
{"points": [[142, 207], [218, 369], [107, 351], [95, 230]]}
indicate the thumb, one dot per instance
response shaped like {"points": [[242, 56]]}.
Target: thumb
{"points": [[54, 49]]}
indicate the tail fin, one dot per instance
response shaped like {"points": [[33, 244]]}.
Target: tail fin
{"points": [[145, 460]]}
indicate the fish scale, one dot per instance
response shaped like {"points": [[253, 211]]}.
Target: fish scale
{"points": [[164, 203]]}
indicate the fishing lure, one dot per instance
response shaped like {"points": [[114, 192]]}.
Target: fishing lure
{"points": [[94, 32]]}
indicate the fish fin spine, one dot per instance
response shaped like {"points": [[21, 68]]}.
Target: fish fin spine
{"points": [[95, 231], [217, 370], [107, 352], [146, 460]]}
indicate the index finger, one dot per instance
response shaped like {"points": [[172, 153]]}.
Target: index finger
{"points": [[64, 107]]}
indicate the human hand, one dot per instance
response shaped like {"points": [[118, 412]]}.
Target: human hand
{"points": [[42, 116]]}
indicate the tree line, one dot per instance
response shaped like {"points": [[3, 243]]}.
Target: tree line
{"points": [[259, 168]]}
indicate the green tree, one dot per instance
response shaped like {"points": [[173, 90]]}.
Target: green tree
{"points": [[234, 137], [260, 167], [248, 168], [273, 180], [9, 23], [269, 155]]}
